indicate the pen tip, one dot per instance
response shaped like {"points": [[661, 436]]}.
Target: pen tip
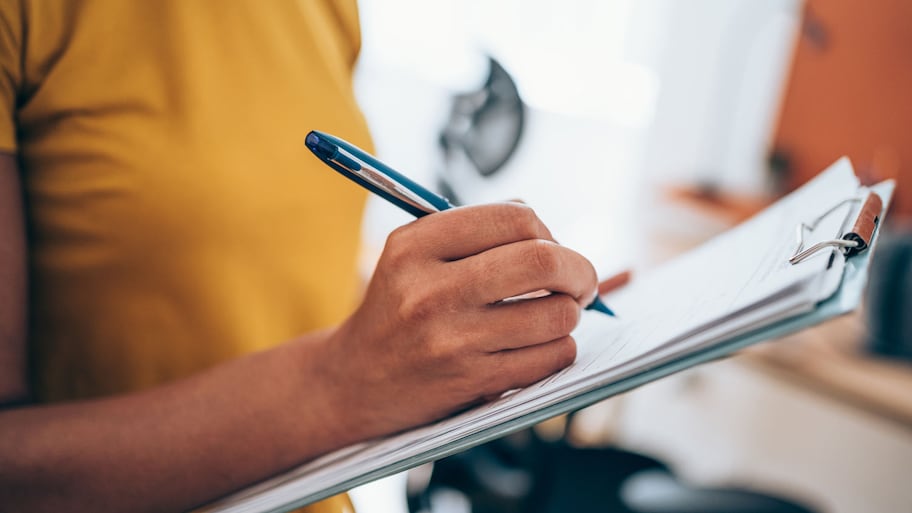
{"points": [[599, 306]]}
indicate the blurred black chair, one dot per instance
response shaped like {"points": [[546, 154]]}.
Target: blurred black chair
{"points": [[657, 491], [523, 473]]}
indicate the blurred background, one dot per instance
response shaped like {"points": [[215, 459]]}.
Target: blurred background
{"points": [[638, 129]]}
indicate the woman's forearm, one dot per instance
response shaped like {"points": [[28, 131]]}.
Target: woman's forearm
{"points": [[172, 447]]}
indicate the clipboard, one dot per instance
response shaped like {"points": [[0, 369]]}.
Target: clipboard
{"points": [[847, 297]]}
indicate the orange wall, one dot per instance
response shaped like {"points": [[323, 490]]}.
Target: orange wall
{"points": [[850, 93]]}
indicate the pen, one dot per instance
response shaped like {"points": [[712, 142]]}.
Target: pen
{"points": [[367, 171]]}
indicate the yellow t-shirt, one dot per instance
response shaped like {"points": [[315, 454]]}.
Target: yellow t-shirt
{"points": [[176, 218]]}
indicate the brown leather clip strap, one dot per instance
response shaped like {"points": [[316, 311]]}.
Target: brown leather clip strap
{"points": [[865, 224]]}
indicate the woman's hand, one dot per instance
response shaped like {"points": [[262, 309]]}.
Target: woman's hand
{"points": [[433, 334]]}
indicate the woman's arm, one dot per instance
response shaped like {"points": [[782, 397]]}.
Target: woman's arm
{"points": [[430, 338], [171, 447], [13, 383]]}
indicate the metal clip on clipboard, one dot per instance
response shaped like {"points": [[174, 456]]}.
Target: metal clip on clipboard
{"points": [[854, 241]]}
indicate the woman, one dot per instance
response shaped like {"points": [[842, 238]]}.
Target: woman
{"points": [[180, 241]]}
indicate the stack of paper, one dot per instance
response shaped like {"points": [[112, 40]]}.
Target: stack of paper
{"points": [[737, 289]]}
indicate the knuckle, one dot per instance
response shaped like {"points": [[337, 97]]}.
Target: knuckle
{"points": [[564, 352], [543, 256], [524, 220], [397, 245], [564, 315], [442, 358], [415, 309], [438, 355]]}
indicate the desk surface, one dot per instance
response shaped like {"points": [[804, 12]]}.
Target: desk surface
{"points": [[831, 360]]}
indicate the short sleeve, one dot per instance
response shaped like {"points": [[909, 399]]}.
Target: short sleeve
{"points": [[10, 71]]}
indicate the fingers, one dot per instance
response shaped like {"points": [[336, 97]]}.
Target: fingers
{"points": [[519, 324], [519, 368], [465, 231], [523, 267]]}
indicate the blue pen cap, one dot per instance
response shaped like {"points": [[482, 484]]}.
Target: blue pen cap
{"points": [[329, 151], [322, 148]]}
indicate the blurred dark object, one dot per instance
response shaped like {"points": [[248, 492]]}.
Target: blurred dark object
{"points": [[656, 491], [485, 126], [523, 473], [848, 94], [779, 167], [889, 302]]}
